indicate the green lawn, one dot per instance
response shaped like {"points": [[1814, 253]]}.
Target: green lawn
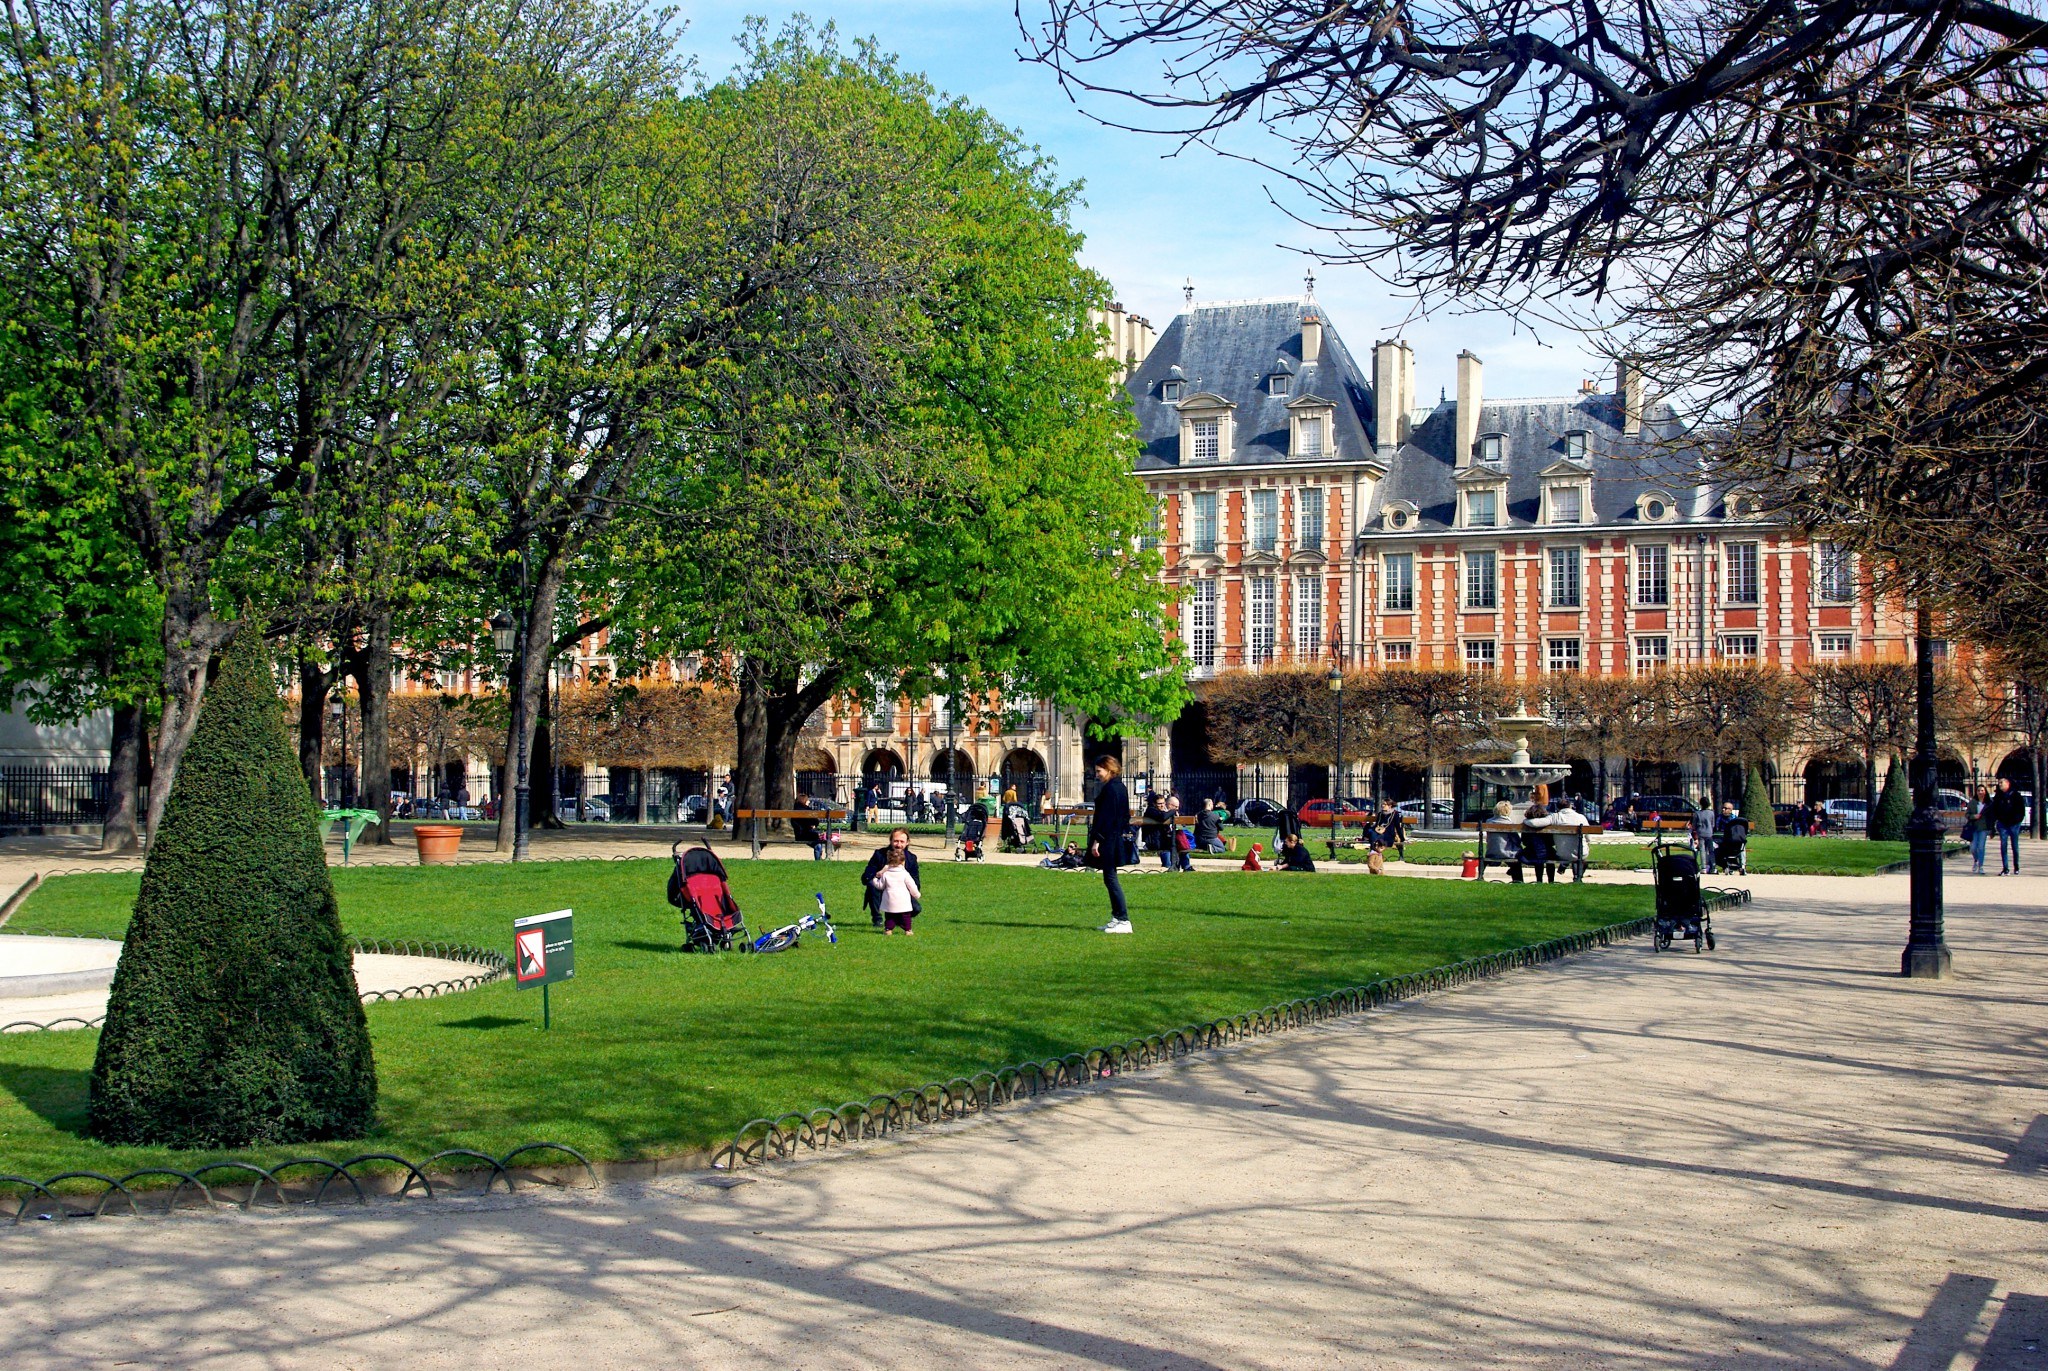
{"points": [[654, 1051], [1767, 855]]}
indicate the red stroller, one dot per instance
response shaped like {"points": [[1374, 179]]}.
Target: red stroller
{"points": [[711, 917]]}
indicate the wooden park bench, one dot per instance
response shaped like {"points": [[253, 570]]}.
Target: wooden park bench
{"points": [[1571, 851], [824, 818]]}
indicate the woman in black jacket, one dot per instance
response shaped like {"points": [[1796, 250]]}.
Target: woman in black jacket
{"points": [[1106, 837]]}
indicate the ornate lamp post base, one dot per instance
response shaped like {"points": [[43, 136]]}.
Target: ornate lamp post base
{"points": [[1926, 956]]}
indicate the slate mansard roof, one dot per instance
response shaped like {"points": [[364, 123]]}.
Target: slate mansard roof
{"points": [[1622, 467], [1231, 351]]}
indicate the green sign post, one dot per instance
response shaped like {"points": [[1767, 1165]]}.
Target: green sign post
{"points": [[543, 952]]}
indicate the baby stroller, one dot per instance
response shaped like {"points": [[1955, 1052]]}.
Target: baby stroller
{"points": [[1731, 845], [1016, 829], [1681, 910], [973, 837], [711, 917]]}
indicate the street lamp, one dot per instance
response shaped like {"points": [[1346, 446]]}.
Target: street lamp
{"points": [[1926, 956], [505, 634], [1337, 771], [339, 709]]}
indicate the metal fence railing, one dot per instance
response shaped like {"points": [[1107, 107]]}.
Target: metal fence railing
{"points": [[42, 796]]}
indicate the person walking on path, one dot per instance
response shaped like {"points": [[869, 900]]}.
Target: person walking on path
{"points": [[899, 843], [2008, 812], [899, 895], [1979, 828], [1703, 833], [1106, 836]]}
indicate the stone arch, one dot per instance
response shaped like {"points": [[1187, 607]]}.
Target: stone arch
{"points": [[1023, 768]]}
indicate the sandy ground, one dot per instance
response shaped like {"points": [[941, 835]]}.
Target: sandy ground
{"points": [[375, 971], [1777, 1155]]}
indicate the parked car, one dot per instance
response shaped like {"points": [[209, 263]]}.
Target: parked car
{"points": [[1257, 813], [1853, 814], [1434, 814], [1325, 813], [695, 809], [595, 810], [1794, 819]]}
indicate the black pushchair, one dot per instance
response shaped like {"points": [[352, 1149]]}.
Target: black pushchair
{"points": [[1017, 829], [1681, 905], [711, 917], [973, 837], [1731, 845]]}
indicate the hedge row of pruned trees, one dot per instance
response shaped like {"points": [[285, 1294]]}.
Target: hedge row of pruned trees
{"points": [[1744, 715]]}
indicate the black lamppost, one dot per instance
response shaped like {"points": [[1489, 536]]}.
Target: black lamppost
{"points": [[1926, 956], [1337, 771], [340, 711], [506, 635], [952, 752]]}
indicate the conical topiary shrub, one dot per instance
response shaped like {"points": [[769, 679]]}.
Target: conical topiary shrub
{"points": [[233, 1018], [1894, 806], [1756, 804]]}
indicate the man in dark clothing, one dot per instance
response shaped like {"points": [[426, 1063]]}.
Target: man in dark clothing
{"points": [[1209, 830], [1294, 854], [2008, 811], [899, 841], [1106, 837], [1288, 823]]}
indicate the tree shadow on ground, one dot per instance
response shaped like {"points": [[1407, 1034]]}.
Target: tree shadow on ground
{"points": [[58, 1095]]}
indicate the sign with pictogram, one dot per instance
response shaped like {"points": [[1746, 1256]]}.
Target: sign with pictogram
{"points": [[543, 949]]}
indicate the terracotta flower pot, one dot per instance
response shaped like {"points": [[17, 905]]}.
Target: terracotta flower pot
{"points": [[437, 842]]}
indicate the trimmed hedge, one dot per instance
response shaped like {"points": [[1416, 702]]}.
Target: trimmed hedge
{"points": [[1894, 806], [233, 1019], [1756, 804]]}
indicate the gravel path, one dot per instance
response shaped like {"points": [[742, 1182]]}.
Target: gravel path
{"points": [[1779, 1155]]}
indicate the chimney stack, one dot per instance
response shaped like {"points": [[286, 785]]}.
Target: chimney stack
{"points": [[1628, 388], [1469, 369], [1393, 390], [1311, 335]]}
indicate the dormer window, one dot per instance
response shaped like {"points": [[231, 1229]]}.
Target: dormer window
{"points": [[1397, 518], [1278, 383], [1567, 505], [1399, 514], [1173, 392], [1491, 446], [1208, 439], [1312, 436], [1578, 445], [1654, 507], [1482, 508]]}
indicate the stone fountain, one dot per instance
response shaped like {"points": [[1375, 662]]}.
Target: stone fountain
{"points": [[1519, 776]]}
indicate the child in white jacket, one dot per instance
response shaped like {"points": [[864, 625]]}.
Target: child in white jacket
{"points": [[899, 895]]}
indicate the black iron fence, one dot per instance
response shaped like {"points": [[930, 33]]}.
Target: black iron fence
{"points": [[42, 796]]}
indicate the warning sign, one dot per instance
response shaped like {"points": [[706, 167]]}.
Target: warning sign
{"points": [[543, 949]]}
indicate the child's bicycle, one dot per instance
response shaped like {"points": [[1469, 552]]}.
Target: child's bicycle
{"points": [[784, 938]]}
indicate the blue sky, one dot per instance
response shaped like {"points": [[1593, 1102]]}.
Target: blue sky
{"points": [[1153, 219]]}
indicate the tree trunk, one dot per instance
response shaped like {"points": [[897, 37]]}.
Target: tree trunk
{"points": [[372, 670], [1870, 794], [528, 681], [313, 684], [191, 638], [2040, 760], [540, 807], [124, 781], [750, 724]]}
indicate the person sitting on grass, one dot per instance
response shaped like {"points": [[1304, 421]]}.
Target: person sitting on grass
{"points": [[1070, 860], [899, 842], [1208, 831], [898, 892], [1294, 855], [1251, 859]]}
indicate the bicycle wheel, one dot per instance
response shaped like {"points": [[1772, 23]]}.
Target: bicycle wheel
{"points": [[781, 940]]}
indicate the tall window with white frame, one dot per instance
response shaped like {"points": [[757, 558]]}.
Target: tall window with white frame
{"points": [[1653, 654], [1202, 625], [1149, 538], [1565, 578], [1265, 521], [1743, 585], [1312, 436], [1653, 574], [1482, 508], [1308, 618], [1260, 618], [1482, 580], [1203, 542], [1567, 505], [1834, 572], [1397, 580], [1208, 435], [1563, 654], [1481, 654], [1308, 518]]}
